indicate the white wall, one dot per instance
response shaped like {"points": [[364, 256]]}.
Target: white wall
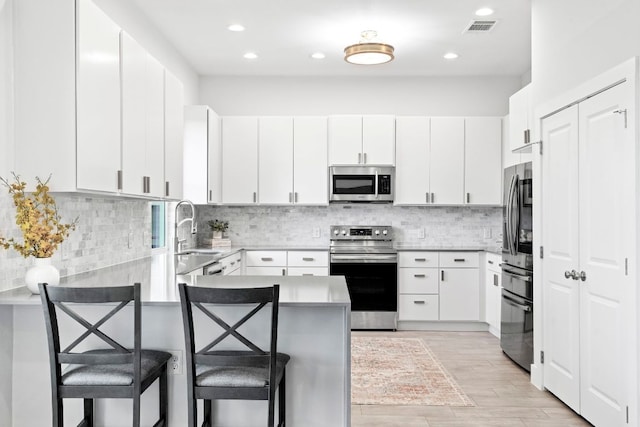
{"points": [[6, 92], [575, 40], [133, 21], [436, 96], [6, 360]]}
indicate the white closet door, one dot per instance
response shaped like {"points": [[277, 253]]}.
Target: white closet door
{"points": [[275, 164], [607, 198], [412, 161], [561, 247]]}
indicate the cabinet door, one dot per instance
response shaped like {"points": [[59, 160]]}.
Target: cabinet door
{"points": [[154, 145], [266, 271], [459, 294], [239, 160], [482, 161], [378, 140], [412, 160], [307, 271], [345, 140], [98, 100], [195, 153], [275, 160], [519, 111], [310, 172], [214, 150], [173, 136], [417, 307], [134, 120], [447, 160]]}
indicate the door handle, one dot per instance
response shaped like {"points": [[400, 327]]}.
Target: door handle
{"points": [[583, 276]]}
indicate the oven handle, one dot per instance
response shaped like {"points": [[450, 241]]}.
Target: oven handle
{"points": [[516, 275], [516, 304], [364, 258]]}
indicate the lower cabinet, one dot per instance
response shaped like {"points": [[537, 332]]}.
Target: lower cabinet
{"points": [[287, 263], [232, 264], [447, 289], [493, 292]]}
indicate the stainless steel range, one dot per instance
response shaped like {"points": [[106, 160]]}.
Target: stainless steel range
{"points": [[366, 257]]}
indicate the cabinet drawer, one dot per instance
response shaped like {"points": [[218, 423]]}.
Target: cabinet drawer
{"points": [[418, 307], [493, 262], [418, 280], [266, 258], [459, 259], [266, 271], [418, 259], [308, 271], [308, 258]]}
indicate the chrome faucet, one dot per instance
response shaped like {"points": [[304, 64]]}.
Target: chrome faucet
{"points": [[194, 226]]}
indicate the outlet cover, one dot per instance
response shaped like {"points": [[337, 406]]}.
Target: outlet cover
{"points": [[175, 363], [316, 232], [487, 233]]}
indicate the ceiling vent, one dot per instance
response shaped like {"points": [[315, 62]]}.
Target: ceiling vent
{"points": [[480, 26]]}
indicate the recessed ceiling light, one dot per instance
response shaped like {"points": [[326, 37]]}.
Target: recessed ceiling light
{"points": [[450, 55], [318, 55], [485, 11], [236, 28], [250, 55]]}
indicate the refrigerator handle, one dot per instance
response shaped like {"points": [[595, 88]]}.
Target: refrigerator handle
{"points": [[508, 227], [516, 222]]}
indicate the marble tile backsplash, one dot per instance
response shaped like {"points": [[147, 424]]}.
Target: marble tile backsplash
{"points": [[429, 225], [110, 231]]}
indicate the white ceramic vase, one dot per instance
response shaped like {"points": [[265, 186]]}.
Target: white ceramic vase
{"points": [[41, 272], [217, 234]]}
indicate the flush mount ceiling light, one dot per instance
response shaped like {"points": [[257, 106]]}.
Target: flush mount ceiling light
{"points": [[369, 51]]}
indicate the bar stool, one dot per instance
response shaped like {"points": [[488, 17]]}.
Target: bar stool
{"points": [[251, 374], [114, 372]]}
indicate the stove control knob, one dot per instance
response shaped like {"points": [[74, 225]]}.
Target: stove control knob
{"points": [[344, 232], [377, 232], [336, 232], [384, 232]]}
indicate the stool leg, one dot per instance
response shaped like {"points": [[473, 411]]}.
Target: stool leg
{"points": [[136, 410], [57, 413], [163, 396], [208, 422], [88, 412], [282, 400]]}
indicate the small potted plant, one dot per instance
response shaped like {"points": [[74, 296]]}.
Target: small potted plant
{"points": [[218, 227]]}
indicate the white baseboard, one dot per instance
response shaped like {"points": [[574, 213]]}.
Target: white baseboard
{"points": [[405, 325]]}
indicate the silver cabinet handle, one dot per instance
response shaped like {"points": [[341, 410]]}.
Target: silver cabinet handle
{"points": [[284, 272], [458, 260], [420, 276], [527, 136], [359, 158], [290, 197], [308, 259], [583, 276], [233, 263], [442, 275], [490, 262], [255, 197], [306, 274], [427, 197], [295, 197], [419, 302], [433, 198], [495, 280], [420, 259], [119, 179], [468, 198], [266, 259], [210, 195], [166, 189], [364, 156]]}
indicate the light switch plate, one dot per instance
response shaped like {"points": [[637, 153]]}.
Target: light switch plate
{"points": [[316, 232]]}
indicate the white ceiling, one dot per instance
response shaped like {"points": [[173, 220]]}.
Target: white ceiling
{"points": [[284, 33]]}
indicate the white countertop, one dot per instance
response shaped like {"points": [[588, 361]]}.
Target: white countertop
{"points": [[157, 275]]}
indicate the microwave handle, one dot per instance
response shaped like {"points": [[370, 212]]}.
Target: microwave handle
{"points": [[376, 183]]}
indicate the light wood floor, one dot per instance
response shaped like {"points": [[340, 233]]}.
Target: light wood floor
{"points": [[500, 389]]}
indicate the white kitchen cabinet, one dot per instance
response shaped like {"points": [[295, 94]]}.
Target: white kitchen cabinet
{"points": [[275, 160], [413, 145], [173, 136], [98, 100], [307, 271], [459, 294], [265, 271], [308, 259], [447, 160], [231, 265], [266, 258], [418, 286], [142, 121], [239, 160], [362, 140], [461, 259], [520, 119], [310, 151], [418, 307], [197, 168], [214, 158], [482, 160], [418, 280], [493, 292]]}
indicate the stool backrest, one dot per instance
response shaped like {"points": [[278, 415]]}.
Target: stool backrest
{"points": [[59, 299], [192, 296]]}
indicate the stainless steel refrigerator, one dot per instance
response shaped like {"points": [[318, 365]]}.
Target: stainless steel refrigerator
{"points": [[516, 336]]}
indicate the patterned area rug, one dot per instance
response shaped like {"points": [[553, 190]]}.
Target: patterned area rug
{"points": [[400, 371]]}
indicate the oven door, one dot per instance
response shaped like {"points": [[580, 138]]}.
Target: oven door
{"points": [[516, 329], [372, 280]]}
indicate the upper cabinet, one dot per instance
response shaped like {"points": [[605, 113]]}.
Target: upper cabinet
{"points": [[173, 136], [482, 160], [362, 140], [310, 173], [99, 99], [239, 160], [520, 119], [275, 160], [202, 151], [448, 161]]}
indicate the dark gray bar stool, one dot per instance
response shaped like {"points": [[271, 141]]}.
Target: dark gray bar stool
{"points": [[113, 372], [251, 374]]}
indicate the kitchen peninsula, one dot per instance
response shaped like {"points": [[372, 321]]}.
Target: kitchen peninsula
{"points": [[314, 329]]}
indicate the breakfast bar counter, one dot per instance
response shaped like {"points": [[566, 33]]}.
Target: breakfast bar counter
{"points": [[314, 329]]}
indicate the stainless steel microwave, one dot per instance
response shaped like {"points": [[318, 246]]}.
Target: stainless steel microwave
{"points": [[361, 183]]}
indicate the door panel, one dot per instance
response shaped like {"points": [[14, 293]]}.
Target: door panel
{"points": [[412, 160], [275, 160], [604, 147], [561, 241], [447, 160]]}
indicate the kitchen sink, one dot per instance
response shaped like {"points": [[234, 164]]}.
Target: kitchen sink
{"points": [[201, 251]]}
